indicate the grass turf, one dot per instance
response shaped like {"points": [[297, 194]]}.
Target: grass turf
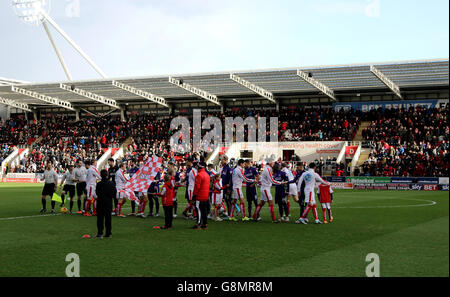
{"points": [[405, 228]]}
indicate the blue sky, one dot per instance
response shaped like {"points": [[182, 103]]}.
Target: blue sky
{"points": [[149, 37]]}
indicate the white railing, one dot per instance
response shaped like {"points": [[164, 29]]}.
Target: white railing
{"points": [[355, 159]]}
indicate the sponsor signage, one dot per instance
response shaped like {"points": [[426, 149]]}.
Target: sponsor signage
{"points": [[416, 187], [428, 180], [398, 186], [367, 106], [336, 179], [370, 187], [368, 180], [443, 187], [430, 187], [350, 150], [19, 180], [402, 180], [343, 186]]}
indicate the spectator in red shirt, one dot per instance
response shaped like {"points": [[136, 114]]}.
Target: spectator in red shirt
{"points": [[166, 195]]}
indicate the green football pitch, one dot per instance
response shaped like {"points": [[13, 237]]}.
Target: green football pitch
{"points": [[409, 230]]}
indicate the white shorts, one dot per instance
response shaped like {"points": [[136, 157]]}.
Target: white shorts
{"points": [[217, 199], [90, 189], [266, 195], [237, 194], [310, 197], [326, 205], [293, 190], [120, 195], [140, 194], [190, 192]]}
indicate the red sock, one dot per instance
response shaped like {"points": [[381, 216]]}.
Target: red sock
{"points": [[88, 205], [143, 203], [119, 207], [329, 213], [232, 209], [225, 209], [315, 212], [324, 210], [243, 209], [289, 207], [272, 212], [258, 209], [217, 211], [187, 208], [305, 213]]}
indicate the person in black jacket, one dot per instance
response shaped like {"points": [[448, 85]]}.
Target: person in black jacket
{"points": [[105, 195]]}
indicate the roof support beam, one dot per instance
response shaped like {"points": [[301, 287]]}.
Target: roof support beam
{"points": [[252, 87], [141, 93], [386, 80], [89, 95], [196, 91], [15, 104], [42, 97], [317, 84]]}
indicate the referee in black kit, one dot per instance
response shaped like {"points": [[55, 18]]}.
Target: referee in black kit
{"points": [[105, 194]]}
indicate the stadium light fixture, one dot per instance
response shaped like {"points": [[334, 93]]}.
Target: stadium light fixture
{"points": [[386, 80], [42, 97], [307, 76], [15, 104], [252, 87], [196, 91], [141, 93], [35, 12], [89, 95]]}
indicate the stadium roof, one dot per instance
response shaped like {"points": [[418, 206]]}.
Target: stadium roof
{"points": [[217, 87]]}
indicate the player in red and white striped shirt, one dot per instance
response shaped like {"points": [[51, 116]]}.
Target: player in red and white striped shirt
{"points": [[325, 193]]}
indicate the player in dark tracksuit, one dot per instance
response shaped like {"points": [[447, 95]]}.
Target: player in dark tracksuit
{"points": [[153, 189], [280, 192], [226, 173], [112, 178], [250, 189], [175, 201]]}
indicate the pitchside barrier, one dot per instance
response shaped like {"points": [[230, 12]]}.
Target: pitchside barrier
{"points": [[390, 183], [337, 182]]}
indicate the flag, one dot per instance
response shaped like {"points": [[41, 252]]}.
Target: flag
{"points": [[142, 179], [56, 198]]}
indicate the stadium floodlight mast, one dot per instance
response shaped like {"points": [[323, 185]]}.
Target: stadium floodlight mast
{"points": [[36, 12]]}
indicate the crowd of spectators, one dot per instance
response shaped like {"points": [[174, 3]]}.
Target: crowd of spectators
{"points": [[405, 142]]}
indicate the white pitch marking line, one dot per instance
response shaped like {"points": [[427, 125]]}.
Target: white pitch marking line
{"points": [[26, 217], [295, 207]]}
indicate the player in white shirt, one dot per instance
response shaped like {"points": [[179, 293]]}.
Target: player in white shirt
{"points": [[238, 178], [292, 187], [310, 177], [266, 184], [91, 184], [69, 187], [80, 177], [121, 182], [51, 180]]}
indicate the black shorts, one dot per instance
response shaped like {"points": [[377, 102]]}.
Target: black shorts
{"points": [[48, 190], [81, 188], [69, 189]]}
